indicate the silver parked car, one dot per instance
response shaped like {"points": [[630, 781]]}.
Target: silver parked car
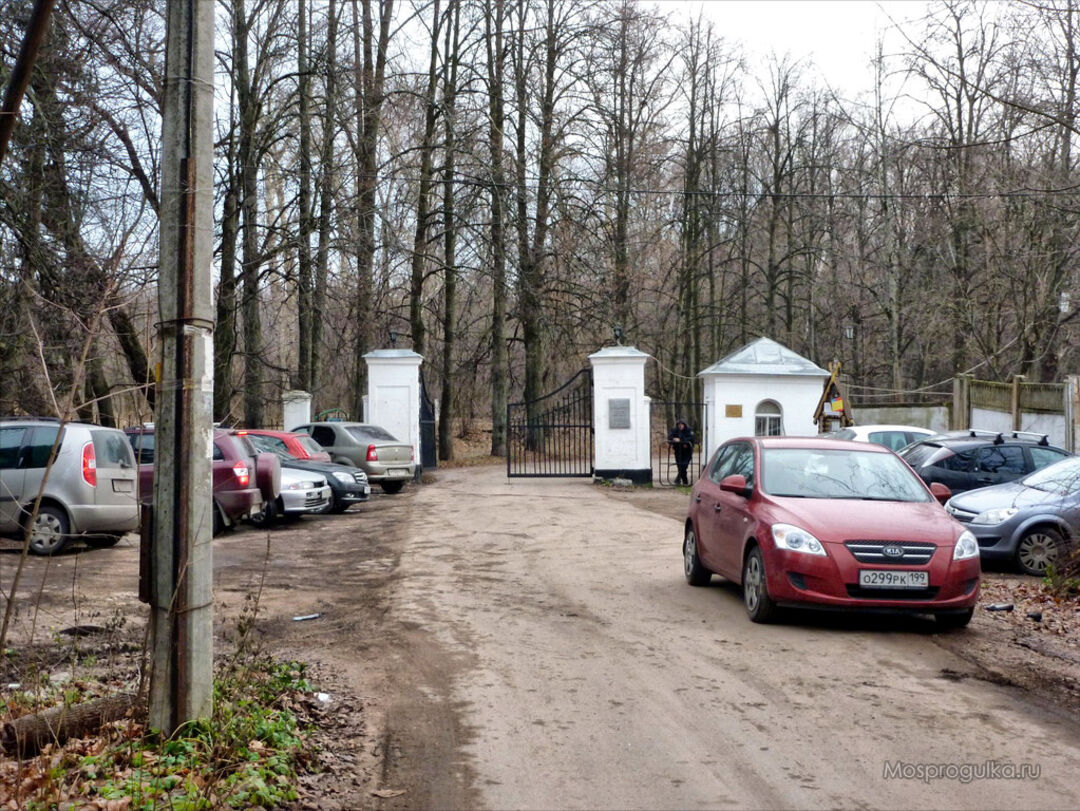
{"points": [[91, 490], [387, 461], [302, 491]]}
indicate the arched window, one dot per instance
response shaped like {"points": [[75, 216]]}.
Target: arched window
{"points": [[768, 419]]}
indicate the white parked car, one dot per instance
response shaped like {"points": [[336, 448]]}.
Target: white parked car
{"points": [[302, 491], [894, 437]]}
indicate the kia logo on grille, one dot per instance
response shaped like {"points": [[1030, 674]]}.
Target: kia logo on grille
{"points": [[892, 550]]}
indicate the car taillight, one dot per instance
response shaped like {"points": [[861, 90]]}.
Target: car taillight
{"points": [[89, 464], [241, 471], [372, 454]]}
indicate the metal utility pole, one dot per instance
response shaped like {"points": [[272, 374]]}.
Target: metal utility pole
{"points": [[181, 563]]}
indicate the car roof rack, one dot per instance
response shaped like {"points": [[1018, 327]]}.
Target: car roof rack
{"points": [[1044, 439], [975, 432]]}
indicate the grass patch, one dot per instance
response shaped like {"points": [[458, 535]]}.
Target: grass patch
{"points": [[248, 754]]}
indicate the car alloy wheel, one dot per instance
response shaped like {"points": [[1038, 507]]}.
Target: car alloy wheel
{"points": [[759, 604], [1038, 549], [695, 571]]}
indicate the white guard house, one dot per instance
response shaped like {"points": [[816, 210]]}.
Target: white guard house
{"points": [[763, 389]]}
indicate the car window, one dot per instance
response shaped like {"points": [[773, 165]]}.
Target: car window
{"points": [[894, 440], [111, 449], [10, 442], [919, 455], [41, 442], [739, 462], [813, 473], [309, 444], [323, 435], [218, 454], [963, 462], [1041, 457], [370, 433], [1005, 459], [716, 472], [143, 445], [1061, 478]]}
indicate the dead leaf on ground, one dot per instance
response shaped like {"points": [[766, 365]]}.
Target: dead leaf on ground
{"points": [[387, 793]]}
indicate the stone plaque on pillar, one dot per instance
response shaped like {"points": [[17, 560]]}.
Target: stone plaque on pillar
{"points": [[621, 414], [618, 413]]}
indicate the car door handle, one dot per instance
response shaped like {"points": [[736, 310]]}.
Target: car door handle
{"points": [[697, 499], [717, 508]]}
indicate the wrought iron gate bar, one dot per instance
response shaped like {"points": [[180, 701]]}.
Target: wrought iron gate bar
{"points": [[552, 436]]}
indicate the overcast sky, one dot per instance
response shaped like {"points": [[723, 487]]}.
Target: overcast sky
{"points": [[837, 35]]}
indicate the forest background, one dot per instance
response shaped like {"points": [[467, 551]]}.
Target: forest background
{"points": [[506, 185]]}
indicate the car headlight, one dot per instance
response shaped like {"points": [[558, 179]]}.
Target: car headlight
{"points": [[344, 478], [795, 539], [966, 547], [995, 516], [302, 485]]}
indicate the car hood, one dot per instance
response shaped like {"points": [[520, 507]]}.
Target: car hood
{"points": [[839, 520], [1010, 494], [327, 468]]}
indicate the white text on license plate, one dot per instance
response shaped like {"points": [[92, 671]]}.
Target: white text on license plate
{"points": [[884, 579]]}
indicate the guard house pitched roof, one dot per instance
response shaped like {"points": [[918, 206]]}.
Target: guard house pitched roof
{"points": [[764, 357]]}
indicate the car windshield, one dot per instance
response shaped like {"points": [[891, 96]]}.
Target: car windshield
{"points": [[817, 473], [371, 433], [918, 454], [267, 444], [309, 444], [1060, 478]]}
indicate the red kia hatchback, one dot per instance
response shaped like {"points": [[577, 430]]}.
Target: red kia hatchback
{"points": [[808, 522]]}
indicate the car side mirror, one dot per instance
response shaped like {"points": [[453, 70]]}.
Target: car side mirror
{"points": [[940, 492], [736, 483]]}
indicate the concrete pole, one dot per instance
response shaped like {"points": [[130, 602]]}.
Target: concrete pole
{"points": [[181, 628]]}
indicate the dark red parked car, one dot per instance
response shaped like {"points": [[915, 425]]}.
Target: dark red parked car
{"points": [[243, 480], [808, 522]]}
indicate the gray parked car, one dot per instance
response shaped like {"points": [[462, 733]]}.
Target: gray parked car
{"points": [[1031, 521], [91, 490], [387, 462]]}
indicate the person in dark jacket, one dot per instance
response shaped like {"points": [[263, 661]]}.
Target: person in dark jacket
{"points": [[682, 441]]}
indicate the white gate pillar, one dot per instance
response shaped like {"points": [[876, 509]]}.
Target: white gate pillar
{"points": [[295, 408], [393, 396], [621, 414]]}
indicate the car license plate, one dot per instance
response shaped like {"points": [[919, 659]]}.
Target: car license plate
{"points": [[398, 471], [365, 490], [884, 579]]}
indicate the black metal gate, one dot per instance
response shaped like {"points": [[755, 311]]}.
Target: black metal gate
{"points": [[428, 450], [663, 416], [552, 435]]}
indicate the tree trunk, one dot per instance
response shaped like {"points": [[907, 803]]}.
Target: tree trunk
{"points": [[447, 407], [304, 310], [496, 121]]}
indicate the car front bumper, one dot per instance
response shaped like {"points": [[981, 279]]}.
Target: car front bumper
{"points": [[832, 580], [298, 502]]}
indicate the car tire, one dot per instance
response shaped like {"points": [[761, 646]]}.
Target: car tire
{"points": [[49, 532], [390, 488], [1039, 547], [759, 605], [103, 542], [219, 522], [954, 620], [266, 516], [695, 572]]}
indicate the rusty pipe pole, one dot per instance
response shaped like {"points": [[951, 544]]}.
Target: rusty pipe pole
{"points": [[181, 563]]}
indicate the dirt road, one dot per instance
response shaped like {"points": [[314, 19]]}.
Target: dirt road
{"points": [[532, 644]]}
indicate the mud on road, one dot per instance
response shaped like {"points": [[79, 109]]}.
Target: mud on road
{"points": [[532, 644]]}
